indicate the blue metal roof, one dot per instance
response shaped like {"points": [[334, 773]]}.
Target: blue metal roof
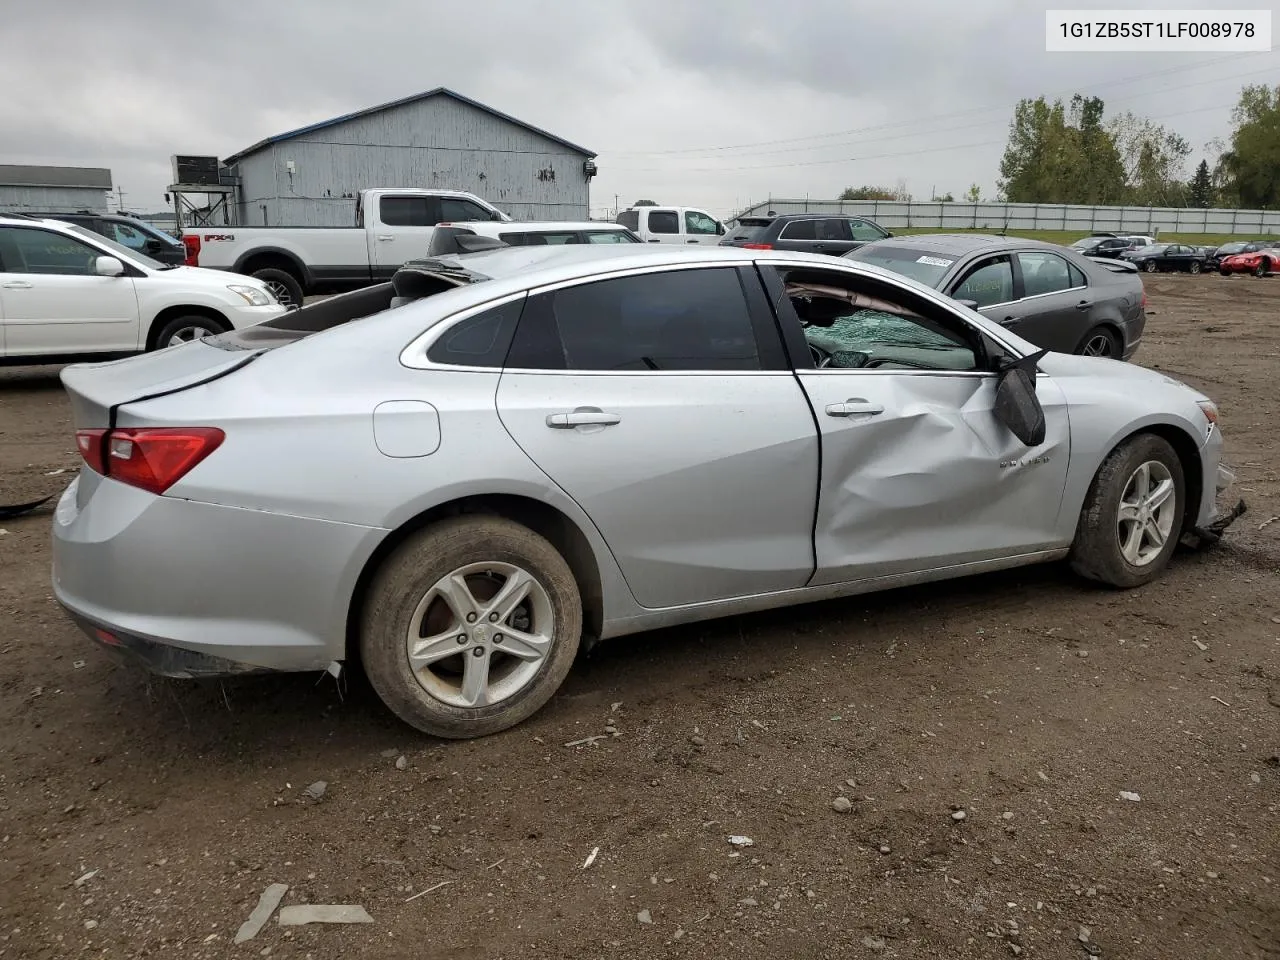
{"points": [[400, 103]]}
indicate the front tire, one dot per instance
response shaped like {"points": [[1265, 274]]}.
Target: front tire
{"points": [[184, 329], [1262, 269], [470, 626], [283, 285], [1150, 266], [1195, 266], [1132, 516]]}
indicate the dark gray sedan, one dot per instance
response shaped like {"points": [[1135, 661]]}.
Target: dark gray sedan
{"points": [[1047, 294]]}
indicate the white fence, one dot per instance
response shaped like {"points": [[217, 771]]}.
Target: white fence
{"points": [[896, 214]]}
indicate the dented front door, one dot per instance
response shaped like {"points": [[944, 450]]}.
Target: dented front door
{"points": [[917, 473]]}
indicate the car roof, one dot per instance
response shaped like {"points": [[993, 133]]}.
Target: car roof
{"points": [[963, 244], [22, 220], [529, 225]]}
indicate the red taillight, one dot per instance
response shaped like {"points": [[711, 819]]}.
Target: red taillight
{"points": [[192, 243], [757, 246], [90, 444], [151, 458]]}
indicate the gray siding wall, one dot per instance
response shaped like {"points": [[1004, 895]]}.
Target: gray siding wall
{"points": [[52, 199], [437, 143]]}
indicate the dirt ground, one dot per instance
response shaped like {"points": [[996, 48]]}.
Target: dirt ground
{"points": [[143, 818]]}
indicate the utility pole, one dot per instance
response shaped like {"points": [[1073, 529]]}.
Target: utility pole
{"points": [[119, 199]]}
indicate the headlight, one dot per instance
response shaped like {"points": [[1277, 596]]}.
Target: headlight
{"points": [[252, 295]]}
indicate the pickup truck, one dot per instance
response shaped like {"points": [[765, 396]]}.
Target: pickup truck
{"points": [[392, 226]]}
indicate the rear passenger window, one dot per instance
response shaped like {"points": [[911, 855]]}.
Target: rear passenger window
{"points": [[481, 340], [680, 320], [800, 230], [630, 219], [407, 211], [1077, 276], [663, 221]]}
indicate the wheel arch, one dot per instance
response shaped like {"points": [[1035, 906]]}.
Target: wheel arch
{"points": [[1188, 452], [542, 518], [262, 258], [182, 310]]}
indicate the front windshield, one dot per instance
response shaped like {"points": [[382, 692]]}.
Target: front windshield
{"points": [[923, 265], [120, 250], [1087, 242], [1229, 248]]}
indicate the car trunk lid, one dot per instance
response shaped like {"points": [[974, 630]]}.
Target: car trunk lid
{"points": [[97, 390]]}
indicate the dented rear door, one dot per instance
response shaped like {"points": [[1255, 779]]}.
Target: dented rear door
{"points": [[917, 473]]}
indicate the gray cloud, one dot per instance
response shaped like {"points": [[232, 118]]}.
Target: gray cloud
{"points": [[923, 90]]}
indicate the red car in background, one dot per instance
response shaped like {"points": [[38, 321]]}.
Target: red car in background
{"points": [[1257, 262]]}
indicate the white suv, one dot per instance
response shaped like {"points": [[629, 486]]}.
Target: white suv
{"points": [[69, 293]]}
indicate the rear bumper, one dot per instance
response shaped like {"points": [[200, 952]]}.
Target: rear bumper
{"points": [[198, 589]]}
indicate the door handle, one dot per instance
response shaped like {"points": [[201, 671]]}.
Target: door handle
{"points": [[691, 241], [655, 240], [385, 236], [1010, 321], [582, 418], [854, 407], [16, 285], [1084, 305]]}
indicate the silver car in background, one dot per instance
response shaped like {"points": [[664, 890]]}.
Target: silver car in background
{"points": [[470, 472]]}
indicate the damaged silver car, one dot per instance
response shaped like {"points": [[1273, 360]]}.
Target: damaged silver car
{"points": [[467, 474]]}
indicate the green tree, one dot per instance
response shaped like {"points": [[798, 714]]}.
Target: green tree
{"points": [[1200, 189], [869, 193], [945, 198], [1154, 161], [1060, 155], [645, 203], [973, 194], [1251, 166]]}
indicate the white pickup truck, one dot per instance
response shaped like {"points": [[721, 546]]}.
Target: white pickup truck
{"points": [[391, 226]]}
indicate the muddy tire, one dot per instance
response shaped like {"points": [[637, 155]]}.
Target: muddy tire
{"points": [[284, 286], [470, 626], [1132, 516], [1262, 269]]}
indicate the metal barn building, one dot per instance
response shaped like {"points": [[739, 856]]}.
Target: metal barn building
{"points": [[53, 189], [310, 176]]}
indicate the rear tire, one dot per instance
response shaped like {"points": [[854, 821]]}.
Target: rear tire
{"points": [[184, 329], [283, 285], [1224, 271], [1125, 537], [1100, 342], [1195, 266], [477, 672], [1150, 266]]}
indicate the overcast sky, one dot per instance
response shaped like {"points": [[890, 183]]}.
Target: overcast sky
{"points": [[712, 103]]}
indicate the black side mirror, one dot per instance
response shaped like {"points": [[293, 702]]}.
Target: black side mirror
{"points": [[720, 228], [1017, 405], [496, 217], [888, 234]]}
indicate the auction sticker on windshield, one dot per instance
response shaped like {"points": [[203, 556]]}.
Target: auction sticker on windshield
{"points": [[935, 261], [1157, 31]]}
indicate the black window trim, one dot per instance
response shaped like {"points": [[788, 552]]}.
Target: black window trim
{"points": [[1019, 284], [773, 357], [782, 233]]}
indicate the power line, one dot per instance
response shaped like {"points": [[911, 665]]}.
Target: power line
{"points": [[876, 156], [934, 131], [953, 115]]}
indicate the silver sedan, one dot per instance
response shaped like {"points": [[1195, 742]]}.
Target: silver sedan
{"points": [[467, 475]]}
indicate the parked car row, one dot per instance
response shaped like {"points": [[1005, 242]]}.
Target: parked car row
{"points": [[1258, 257]]}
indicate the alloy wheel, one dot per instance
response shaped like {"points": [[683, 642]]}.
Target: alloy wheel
{"points": [[187, 334], [480, 634], [280, 292], [1147, 513], [1099, 345]]}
